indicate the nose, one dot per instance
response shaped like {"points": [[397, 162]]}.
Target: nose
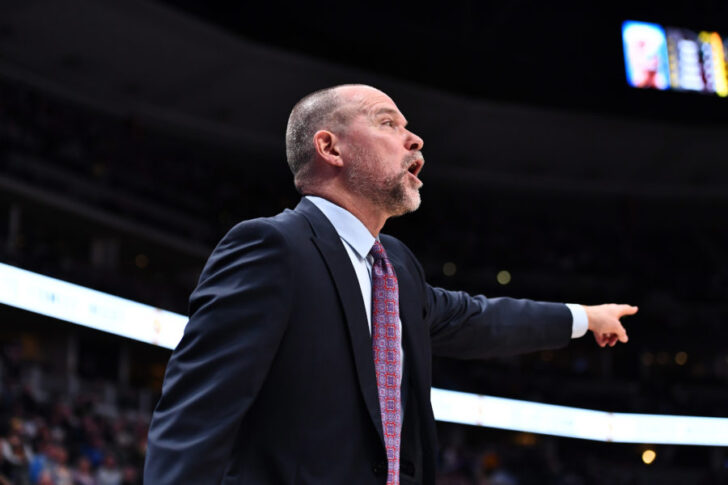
{"points": [[413, 142]]}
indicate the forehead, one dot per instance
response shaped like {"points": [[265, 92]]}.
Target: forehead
{"points": [[370, 101]]}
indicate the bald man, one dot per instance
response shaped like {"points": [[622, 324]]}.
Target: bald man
{"points": [[307, 356]]}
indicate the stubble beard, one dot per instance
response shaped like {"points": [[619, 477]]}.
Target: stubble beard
{"points": [[394, 194]]}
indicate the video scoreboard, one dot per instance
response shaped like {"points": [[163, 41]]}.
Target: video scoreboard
{"points": [[675, 58]]}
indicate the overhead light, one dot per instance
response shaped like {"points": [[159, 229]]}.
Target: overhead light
{"points": [[503, 277], [648, 456]]}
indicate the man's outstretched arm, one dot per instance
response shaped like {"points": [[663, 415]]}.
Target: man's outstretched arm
{"points": [[468, 326]]}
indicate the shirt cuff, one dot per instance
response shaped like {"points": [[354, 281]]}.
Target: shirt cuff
{"points": [[580, 322]]}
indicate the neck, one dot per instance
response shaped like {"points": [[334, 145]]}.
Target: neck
{"points": [[372, 218]]}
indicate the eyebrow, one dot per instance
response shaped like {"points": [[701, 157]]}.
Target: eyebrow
{"points": [[390, 111]]}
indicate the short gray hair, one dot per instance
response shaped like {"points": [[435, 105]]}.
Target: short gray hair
{"points": [[316, 111]]}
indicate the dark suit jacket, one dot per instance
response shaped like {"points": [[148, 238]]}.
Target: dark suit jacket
{"points": [[274, 382]]}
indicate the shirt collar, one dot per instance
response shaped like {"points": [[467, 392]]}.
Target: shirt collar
{"points": [[349, 228]]}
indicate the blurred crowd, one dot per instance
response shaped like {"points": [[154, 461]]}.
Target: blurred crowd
{"points": [[53, 433], [55, 438]]}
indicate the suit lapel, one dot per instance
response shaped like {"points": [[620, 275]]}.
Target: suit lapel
{"points": [[337, 261]]}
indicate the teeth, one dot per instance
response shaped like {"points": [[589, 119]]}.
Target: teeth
{"points": [[414, 167]]}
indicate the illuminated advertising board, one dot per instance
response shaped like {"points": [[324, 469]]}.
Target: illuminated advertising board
{"points": [[101, 311], [657, 57]]}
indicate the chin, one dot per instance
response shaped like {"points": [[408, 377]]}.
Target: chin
{"points": [[415, 202], [409, 203]]}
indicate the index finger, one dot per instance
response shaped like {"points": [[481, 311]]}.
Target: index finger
{"points": [[627, 310]]}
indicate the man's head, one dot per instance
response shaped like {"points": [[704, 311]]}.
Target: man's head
{"points": [[322, 109], [351, 143]]}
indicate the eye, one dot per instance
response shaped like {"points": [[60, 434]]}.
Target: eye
{"points": [[389, 123]]}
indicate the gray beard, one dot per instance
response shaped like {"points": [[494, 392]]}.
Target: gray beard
{"points": [[390, 196]]}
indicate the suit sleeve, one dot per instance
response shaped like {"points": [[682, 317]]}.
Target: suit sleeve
{"points": [[238, 315], [468, 327]]}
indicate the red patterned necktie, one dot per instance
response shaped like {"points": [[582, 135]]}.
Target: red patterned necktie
{"points": [[386, 344]]}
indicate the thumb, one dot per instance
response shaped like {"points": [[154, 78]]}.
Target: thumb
{"points": [[622, 334]]}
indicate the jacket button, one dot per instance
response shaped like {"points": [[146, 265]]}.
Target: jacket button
{"points": [[379, 469]]}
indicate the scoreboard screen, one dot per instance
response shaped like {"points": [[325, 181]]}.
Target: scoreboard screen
{"points": [[658, 57]]}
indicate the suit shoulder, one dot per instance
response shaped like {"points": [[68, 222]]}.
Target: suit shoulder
{"points": [[282, 225], [268, 239]]}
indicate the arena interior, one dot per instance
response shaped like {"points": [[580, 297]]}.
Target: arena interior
{"points": [[134, 135]]}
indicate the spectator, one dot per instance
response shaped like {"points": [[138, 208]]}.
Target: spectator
{"points": [[17, 455], [82, 474], [109, 473], [4, 480], [131, 476], [61, 473], [45, 478], [41, 462]]}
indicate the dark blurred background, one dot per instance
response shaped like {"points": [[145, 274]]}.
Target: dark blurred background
{"points": [[134, 134]]}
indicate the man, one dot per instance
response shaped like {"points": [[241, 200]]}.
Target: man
{"points": [[307, 357]]}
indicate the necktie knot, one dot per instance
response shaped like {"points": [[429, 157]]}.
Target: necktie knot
{"points": [[377, 252]]}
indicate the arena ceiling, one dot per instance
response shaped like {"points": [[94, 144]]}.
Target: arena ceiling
{"points": [[517, 93], [564, 54]]}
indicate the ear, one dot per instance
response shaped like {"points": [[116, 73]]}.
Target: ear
{"points": [[327, 147]]}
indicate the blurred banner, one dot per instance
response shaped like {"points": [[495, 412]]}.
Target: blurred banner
{"points": [[90, 308], [101, 311], [532, 417]]}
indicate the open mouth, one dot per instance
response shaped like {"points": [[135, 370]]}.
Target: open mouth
{"points": [[416, 166]]}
